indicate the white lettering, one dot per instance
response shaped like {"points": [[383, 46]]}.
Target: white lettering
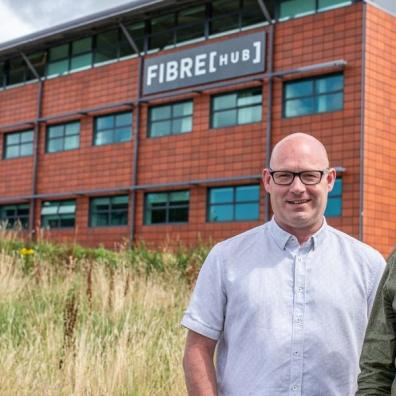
{"points": [[200, 64], [161, 73], [257, 45], [185, 67], [245, 55], [172, 71], [234, 57], [223, 59], [151, 73], [212, 56]]}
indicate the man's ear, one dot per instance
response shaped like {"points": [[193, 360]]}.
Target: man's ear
{"points": [[266, 177], [331, 178]]}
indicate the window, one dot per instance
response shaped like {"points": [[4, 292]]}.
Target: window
{"points": [[58, 214], [114, 128], [58, 60], [298, 8], [81, 54], [63, 137], [314, 95], [162, 31], [12, 215], [106, 50], [240, 203], [166, 207], [190, 24], [236, 108], [109, 211], [19, 144], [170, 119], [225, 15], [334, 201]]}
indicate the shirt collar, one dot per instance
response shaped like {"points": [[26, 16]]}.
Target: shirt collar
{"points": [[282, 237]]}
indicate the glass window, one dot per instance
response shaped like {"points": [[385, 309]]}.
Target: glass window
{"points": [[81, 53], [162, 31], [190, 24], [58, 214], [18, 144], [170, 119], [252, 14], [106, 48], [225, 16], [324, 5], [109, 211], [236, 108], [14, 216], [63, 137], [315, 95], [58, 60], [113, 128], [17, 71], [2, 75], [137, 32], [334, 200], [239, 203], [38, 61], [166, 207], [296, 8]]}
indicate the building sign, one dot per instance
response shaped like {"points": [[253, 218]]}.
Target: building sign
{"points": [[200, 65]]}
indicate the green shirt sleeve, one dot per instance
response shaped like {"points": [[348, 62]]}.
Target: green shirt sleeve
{"points": [[377, 361]]}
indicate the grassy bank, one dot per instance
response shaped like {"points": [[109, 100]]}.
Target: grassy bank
{"points": [[92, 322]]}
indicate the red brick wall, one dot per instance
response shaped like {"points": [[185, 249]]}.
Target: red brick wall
{"points": [[379, 131]]}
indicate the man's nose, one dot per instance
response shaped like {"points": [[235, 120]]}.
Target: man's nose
{"points": [[297, 186]]}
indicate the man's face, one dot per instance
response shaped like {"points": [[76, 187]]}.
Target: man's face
{"points": [[298, 208]]}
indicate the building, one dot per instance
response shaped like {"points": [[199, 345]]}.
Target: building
{"points": [[152, 121]]}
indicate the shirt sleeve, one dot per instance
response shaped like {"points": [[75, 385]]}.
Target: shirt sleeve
{"points": [[379, 348], [206, 311]]}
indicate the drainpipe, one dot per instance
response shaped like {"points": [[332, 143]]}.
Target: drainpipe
{"points": [[36, 134], [132, 194]]}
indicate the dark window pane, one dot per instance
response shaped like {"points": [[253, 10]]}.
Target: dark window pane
{"points": [[160, 113], [221, 213], [158, 216], [329, 84], [162, 33], [59, 67], [330, 102], [38, 61], [190, 24], [298, 107], [122, 135], [99, 219], [330, 4], [123, 119], [246, 211], [81, 61], [106, 46], [299, 89], [105, 122], [17, 72], [296, 8], [224, 15], [251, 13], [221, 195], [59, 52], [247, 193], [82, 46], [224, 119], [178, 215]]}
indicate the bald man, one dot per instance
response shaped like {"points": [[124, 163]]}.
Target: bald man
{"points": [[286, 303]]}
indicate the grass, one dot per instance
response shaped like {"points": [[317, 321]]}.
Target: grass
{"points": [[75, 321]]}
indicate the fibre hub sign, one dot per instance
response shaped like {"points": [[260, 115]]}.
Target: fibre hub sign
{"points": [[237, 57]]}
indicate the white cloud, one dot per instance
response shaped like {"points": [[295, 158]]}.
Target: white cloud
{"points": [[11, 24]]}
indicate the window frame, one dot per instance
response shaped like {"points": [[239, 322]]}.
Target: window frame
{"points": [[314, 95], [19, 144], [234, 203], [167, 208], [63, 125], [337, 197], [16, 217], [59, 218], [171, 119], [110, 212], [237, 108], [113, 129]]}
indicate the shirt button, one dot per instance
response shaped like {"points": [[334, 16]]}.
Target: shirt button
{"points": [[294, 388], [299, 259], [295, 353], [300, 289]]}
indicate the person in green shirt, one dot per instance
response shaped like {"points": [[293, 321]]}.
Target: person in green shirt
{"points": [[377, 361]]}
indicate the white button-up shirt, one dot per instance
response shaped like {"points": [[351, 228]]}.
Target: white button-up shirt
{"points": [[289, 318]]}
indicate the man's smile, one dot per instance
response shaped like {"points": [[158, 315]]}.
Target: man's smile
{"points": [[298, 201]]}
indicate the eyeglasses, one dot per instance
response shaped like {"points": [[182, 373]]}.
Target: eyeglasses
{"points": [[309, 178]]}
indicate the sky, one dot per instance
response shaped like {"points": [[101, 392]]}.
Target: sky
{"points": [[21, 17]]}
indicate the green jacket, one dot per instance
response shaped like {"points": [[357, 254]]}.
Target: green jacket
{"points": [[377, 361]]}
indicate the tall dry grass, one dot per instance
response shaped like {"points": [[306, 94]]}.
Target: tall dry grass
{"points": [[85, 328]]}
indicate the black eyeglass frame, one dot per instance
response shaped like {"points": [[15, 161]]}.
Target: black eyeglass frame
{"points": [[299, 174]]}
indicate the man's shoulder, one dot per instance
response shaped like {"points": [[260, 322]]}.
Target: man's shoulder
{"points": [[353, 245], [246, 238]]}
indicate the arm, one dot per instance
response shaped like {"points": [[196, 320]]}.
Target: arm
{"points": [[379, 348], [198, 365]]}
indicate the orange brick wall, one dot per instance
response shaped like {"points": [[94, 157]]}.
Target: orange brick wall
{"points": [[379, 131]]}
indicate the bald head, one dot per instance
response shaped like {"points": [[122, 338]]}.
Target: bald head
{"points": [[299, 145]]}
